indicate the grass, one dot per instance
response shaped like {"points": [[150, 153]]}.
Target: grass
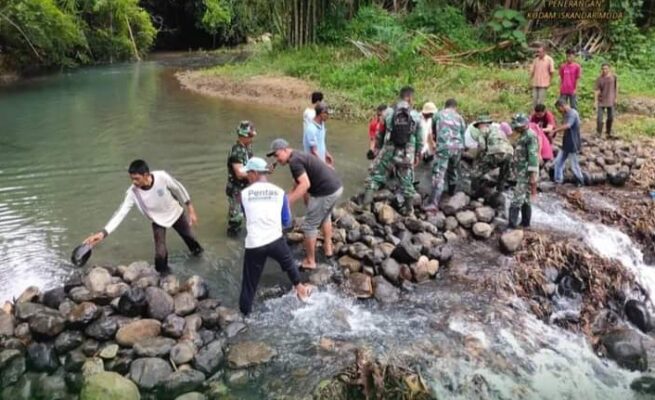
{"points": [[355, 85]]}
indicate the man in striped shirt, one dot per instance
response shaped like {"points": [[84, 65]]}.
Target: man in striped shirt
{"points": [[159, 197]]}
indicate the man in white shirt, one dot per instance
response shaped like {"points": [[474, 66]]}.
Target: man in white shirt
{"points": [[159, 197], [310, 112], [266, 208]]}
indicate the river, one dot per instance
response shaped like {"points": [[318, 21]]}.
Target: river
{"points": [[65, 144]]}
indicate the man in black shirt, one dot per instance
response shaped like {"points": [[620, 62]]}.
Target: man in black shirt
{"points": [[312, 176]]}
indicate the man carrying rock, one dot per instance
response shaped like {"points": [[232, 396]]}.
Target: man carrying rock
{"points": [[316, 178], [266, 208], [450, 128], [526, 162], [494, 151], [159, 197], [236, 180], [571, 143], [399, 149]]}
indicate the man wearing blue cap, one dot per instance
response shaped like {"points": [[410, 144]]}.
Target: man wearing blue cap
{"points": [[266, 209]]}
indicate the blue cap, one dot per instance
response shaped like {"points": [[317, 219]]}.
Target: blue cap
{"points": [[255, 164]]}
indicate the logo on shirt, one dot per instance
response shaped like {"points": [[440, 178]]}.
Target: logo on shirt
{"points": [[160, 192]]}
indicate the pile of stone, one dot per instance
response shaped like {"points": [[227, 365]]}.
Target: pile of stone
{"points": [[380, 251], [123, 333]]}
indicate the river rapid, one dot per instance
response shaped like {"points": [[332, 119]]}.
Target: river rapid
{"points": [[66, 141]]}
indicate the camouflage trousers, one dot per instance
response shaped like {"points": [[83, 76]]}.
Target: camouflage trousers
{"points": [[400, 161], [488, 163], [235, 213], [445, 169], [521, 194]]}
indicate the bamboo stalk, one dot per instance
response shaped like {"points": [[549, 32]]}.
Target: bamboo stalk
{"points": [[129, 29]]}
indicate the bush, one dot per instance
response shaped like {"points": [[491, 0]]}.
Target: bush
{"points": [[444, 20]]}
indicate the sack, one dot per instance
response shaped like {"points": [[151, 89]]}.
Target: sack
{"points": [[402, 125]]}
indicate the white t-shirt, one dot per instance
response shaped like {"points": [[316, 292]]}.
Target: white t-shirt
{"points": [[307, 117], [161, 203], [266, 209], [426, 131]]}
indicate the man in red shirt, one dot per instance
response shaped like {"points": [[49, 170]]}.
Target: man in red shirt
{"points": [[545, 120], [374, 127], [569, 74]]}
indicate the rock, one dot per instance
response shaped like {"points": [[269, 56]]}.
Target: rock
{"points": [[414, 225], [120, 364], [170, 284], [391, 270], [25, 311], [137, 270], [406, 253], [383, 291], [644, 384], [73, 281], [47, 323], [386, 214], [451, 223], [6, 356], [148, 373], [74, 361], [386, 248], [295, 237], [639, 315], [347, 222], [482, 230], [185, 303], [208, 304], [248, 354], [102, 329], [485, 214], [626, 347], [454, 203], [511, 241], [83, 314], [54, 297], [51, 387], [131, 333], [209, 358], [66, 307], [235, 328], [146, 281], [420, 270], [227, 316], [181, 382], [433, 267], [117, 289], [237, 378], [618, 179], [160, 303], [361, 285], [133, 303], [92, 366], [109, 386], [109, 351], [183, 352], [451, 237], [12, 371], [353, 235], [466, 218], [173, 326], [321, 276], [90, 347], [210, 318], [67, 341], [350, 264], [197, 286], [22, 332], [193, 322], [41, 357], [154, 347], [29, 295], [6, 325], [97, 280]]}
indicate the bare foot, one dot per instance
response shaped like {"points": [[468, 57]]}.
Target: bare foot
{"points": [[307, 265], [328, 250]]}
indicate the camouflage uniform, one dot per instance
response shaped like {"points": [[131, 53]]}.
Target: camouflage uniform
{"points": [[450, 128], [495, 151], [526, 161], [400, 160], [239, 154]]}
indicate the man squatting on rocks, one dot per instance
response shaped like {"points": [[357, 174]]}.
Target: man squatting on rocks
{"points": [[159, 197], [266, 209], [239, 155]]}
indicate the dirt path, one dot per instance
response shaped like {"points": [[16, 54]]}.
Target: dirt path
{"points": [[268, 90]]}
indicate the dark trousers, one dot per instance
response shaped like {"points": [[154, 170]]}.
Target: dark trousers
{"points": [[253, 266], [571, 99], [183, 228], [599, 120]]}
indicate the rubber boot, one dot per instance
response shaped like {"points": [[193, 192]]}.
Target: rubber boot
{"points": [[432, 204], [609, 123], [451, 190], [233, 231], [513, 217], [526, 215], [368, 197]]}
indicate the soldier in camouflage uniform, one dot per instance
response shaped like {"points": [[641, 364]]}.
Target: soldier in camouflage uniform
{"points": [[494, 151], [239, 155], [449, 131], [526, 163], [400, 159]]}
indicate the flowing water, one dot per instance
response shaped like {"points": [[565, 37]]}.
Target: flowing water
{"points": [[64, 145]]}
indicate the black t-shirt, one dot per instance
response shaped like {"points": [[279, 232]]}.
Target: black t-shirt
{"points": [[323, 180]]}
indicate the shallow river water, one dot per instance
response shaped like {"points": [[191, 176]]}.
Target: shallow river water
{"points": [[65, 142]]}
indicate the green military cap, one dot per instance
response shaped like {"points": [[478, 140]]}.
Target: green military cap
{"points": [[245, 129], [483, 119]]}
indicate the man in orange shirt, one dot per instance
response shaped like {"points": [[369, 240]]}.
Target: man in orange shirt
{"points": [[541, 72]]}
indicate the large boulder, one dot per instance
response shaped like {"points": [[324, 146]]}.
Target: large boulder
{"points": [[160, 303], [466, 218], [41, 357], [391, 270], [350, 263], [406, 253], [454, 203], [154, 347], [386, 214], [135, 331], [626, 347], [12, 371], [47, 323], [185, 303], [639, 315], [97, 280], [183, 352], [248, 354], [54, 297], [6, 325], [485, 214], [510, 241], [133, 303], [74, 361], [29, 295], [383, 291], [210, 357], [102, 329], [67, 341], [109, 386], [482, 230], [173, 325], [197, 286], [148, 373], [25, 311], [179, 383], [361, 285], [83, 314], [137, 270]]}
